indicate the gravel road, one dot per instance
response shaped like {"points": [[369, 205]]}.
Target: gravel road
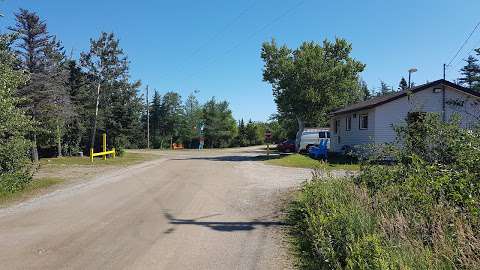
{"points": [[185, 210]]}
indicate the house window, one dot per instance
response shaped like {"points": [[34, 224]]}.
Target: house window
{"points": [[364, 121], [348, 121], [337, 125]]}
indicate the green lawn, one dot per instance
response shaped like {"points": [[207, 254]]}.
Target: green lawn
{"points": [[125, 159], [302, 161], [36, 186]]}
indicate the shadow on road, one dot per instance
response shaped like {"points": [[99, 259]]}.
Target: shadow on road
{"points": [[233, 158], [223, 226]]}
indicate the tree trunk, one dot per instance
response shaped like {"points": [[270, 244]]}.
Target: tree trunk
{"points": [[94, 130], [34, 143], [301, 127], [59, 142], [34, 148]]}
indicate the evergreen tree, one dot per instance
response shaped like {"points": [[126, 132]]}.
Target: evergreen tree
{"points": [[403, 85], [242, 134], [57, 107], [79, 88], [155, 118], [220, 127], [172, 115], [385, 89], [251, 130], [33, 40], [364, 89], [193, 114], [471, 74]]}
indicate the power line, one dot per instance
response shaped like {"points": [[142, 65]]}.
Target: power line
{"points": [[464, 43], [264, 27], [219, 34], [465, 55]]}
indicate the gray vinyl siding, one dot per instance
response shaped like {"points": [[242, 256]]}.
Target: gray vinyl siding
{"points": [[354, 136], [469, 112], [395, 112]]}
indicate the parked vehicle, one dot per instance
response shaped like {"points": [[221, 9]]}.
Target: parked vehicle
{"points": [[319, 151], [313, 137], [286, 146]]}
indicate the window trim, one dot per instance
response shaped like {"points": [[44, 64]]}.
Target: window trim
{"points": [[337, 126], [360, 118], [348, 123]]}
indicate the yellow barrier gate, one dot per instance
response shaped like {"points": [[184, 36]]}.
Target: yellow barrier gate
{"points": [[105, 152]]}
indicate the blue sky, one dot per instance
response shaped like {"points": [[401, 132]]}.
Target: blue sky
{"points": [[214, 46]]}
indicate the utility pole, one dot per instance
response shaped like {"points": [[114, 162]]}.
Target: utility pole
{"points": [[148, 122], [444, 112]]}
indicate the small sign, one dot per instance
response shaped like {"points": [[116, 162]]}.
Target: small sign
{"points": [[268, 134]]}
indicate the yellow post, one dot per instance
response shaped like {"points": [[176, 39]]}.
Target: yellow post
{"points": [[113, 155], [91, 155], [104, 141]]}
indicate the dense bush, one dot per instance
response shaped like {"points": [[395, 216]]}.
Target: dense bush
{"points": [[419, 212], [14, 125]]}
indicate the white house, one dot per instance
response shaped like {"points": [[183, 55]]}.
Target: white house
{"points": [[372, 121]]}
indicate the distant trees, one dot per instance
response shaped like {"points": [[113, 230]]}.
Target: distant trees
{"points": [[312, 80]]}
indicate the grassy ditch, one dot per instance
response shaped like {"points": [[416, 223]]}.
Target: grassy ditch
{"points": [[302, 161], [34, 187]]}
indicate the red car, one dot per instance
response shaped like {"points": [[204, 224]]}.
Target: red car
{"points": [[287, 146]]}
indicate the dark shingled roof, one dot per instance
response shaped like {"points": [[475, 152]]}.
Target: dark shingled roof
{"points": [[371, 103]]}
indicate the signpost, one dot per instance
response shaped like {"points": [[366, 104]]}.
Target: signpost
{"points": [[268, 137]]}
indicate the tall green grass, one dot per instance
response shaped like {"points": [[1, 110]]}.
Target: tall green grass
{"points": [[336, 224]]}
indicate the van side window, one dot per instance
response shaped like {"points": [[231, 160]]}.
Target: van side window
{"points": [[322, 135]]}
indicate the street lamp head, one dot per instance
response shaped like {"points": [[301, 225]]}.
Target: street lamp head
{"points": [[412, 70]]}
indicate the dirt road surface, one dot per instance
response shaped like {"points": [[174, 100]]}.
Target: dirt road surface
{"points": [[185, 210]]}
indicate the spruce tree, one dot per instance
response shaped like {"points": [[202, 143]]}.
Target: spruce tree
{"points": [[471, 74], [33, 40], [403, 85]]}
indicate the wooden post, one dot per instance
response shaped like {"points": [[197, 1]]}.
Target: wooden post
{"points": [[91, 155], [104, 142], [268, 149]]}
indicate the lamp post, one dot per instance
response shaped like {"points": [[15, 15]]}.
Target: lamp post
{"points": [[410, 71]]}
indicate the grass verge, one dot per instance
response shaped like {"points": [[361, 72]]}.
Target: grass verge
{"points": [[34, 187], [302, 161], [125, 159]]}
